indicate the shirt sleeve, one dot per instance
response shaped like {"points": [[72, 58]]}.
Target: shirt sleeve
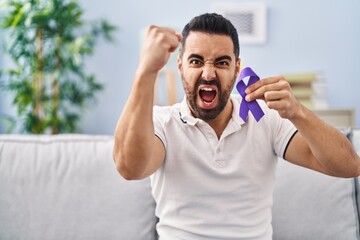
{"points": [[282, 131], [160, 114]]}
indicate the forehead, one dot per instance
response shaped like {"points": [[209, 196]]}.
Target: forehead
{"points": [[208, 45]]}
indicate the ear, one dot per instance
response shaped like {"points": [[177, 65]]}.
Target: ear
{"points": [[179, 64], [238, 66]]}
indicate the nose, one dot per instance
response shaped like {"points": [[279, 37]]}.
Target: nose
{"points": [[209, 72]]}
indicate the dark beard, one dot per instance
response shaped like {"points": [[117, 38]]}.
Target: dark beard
{"points": [[207, 114]]}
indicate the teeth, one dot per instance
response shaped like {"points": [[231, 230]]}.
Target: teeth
{"points": [[207, 89]]}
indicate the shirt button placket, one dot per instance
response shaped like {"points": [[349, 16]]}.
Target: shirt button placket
{"points": [[220, 162]]}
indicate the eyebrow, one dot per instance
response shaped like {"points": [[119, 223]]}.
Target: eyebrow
{"points": [[225, 57], [193, 55]]}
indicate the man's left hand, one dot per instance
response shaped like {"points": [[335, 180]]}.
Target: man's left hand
{"points": [[277, 94]]}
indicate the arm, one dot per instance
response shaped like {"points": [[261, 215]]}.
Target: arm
{"points": [[137, 151], [317, 145]]}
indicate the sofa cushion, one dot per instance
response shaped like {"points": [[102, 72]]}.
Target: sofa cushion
{"points": [[311, 205], [67, 187]]}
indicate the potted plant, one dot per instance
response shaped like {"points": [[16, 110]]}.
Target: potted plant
{"points": [[47, 41]]}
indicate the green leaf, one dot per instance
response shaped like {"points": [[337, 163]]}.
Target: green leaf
{"points": [[65, 43], [20, 15]]}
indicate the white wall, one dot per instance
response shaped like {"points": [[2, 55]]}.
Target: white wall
{"points": [[303, 36]]}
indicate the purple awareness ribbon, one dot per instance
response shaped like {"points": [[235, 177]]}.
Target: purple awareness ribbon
{"points": [[245, 106]]}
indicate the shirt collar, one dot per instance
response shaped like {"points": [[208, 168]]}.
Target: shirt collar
{"points": [[186, 115], [236, 101]]}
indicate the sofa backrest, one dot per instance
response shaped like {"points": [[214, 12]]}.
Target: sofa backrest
{"points": [[67, 187]]}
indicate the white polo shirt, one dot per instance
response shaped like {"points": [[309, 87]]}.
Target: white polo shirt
{"points": [[210, 188]]}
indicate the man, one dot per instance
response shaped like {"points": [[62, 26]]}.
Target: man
{"points": [[212, 173]]}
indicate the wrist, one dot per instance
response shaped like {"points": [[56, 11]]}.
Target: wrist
{"points": [[301, 115], [143, 74]]}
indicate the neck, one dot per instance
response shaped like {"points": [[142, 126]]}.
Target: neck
{"points": [[220, 122]]}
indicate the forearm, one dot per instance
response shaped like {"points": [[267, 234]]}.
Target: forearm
{"points": [[328, 145], [317, 146], [134, 133], [137, 151]]}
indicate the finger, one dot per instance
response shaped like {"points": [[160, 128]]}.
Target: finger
{"points": [[282, 106], [264, 86], [282, 101], [170, 30], [161, 33], [159, 42], [171, 38], [276, 95], [261, 83], [179, 36], [277, 104], [174, 41], [173, 32]]}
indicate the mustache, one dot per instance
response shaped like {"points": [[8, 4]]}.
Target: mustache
{"points": [[202, 81]]}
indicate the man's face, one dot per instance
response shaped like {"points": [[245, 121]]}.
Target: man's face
{"points": [[208, 68]]}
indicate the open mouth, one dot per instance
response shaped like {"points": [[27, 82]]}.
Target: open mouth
{"points": [[208, 94]]}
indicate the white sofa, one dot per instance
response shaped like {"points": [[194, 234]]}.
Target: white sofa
{"points": [[67, 187]]}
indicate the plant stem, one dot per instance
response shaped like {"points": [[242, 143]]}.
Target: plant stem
{"points": [[54, 104], [38, 75], [55, 90]]}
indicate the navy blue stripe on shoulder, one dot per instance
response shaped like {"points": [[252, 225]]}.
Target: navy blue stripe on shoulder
{"points": [[287, 145]]}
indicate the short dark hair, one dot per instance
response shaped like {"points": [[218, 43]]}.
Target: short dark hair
{"points": [[211, 23]]}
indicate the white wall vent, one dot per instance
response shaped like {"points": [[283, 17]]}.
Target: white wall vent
{"points": [[249, 20]]}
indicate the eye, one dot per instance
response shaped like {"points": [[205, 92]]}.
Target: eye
{"points": [[223, 64], [195, 62]]}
